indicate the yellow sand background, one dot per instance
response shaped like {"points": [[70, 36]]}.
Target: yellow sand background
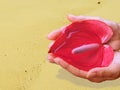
{"points": [[24, 25]]}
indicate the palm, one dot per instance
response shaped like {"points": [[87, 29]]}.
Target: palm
{"points": [[96, 74]]}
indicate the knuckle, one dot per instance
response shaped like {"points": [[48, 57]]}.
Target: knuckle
{"points": [[115, 76]]}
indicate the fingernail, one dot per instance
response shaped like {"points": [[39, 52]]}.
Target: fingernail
{"points": [[93, 75]]}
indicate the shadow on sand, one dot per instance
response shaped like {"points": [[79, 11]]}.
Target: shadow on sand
{"points": [[62, 74]]}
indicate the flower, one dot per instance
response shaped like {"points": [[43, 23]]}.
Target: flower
{"points": [[84, 45]]}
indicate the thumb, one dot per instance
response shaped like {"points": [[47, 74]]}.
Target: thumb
{"points": [[111, 71]]}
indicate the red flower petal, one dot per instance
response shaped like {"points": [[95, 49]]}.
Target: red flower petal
{"points": [[83, 33]]}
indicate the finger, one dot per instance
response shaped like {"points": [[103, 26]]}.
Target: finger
{"points": [[114, 71], [97, 80], [99, 75], [51, 44], [115, 44], [51, 58], [95, 76], [55, 34], [70, 68], [73, 18], [107, 73], [99, 72]]}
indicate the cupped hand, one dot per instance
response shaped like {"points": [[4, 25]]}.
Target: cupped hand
{"points": [[96, 74]]}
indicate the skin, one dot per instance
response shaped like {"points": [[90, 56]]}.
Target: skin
{"points": [[97, 75]]}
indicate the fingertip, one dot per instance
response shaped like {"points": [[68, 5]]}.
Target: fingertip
{"points": [[47, 37], [71, 17], [52, 35], [50, 45], [50, 58]]}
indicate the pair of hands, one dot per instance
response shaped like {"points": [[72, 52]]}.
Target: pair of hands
{"points": [[96, 74]]}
